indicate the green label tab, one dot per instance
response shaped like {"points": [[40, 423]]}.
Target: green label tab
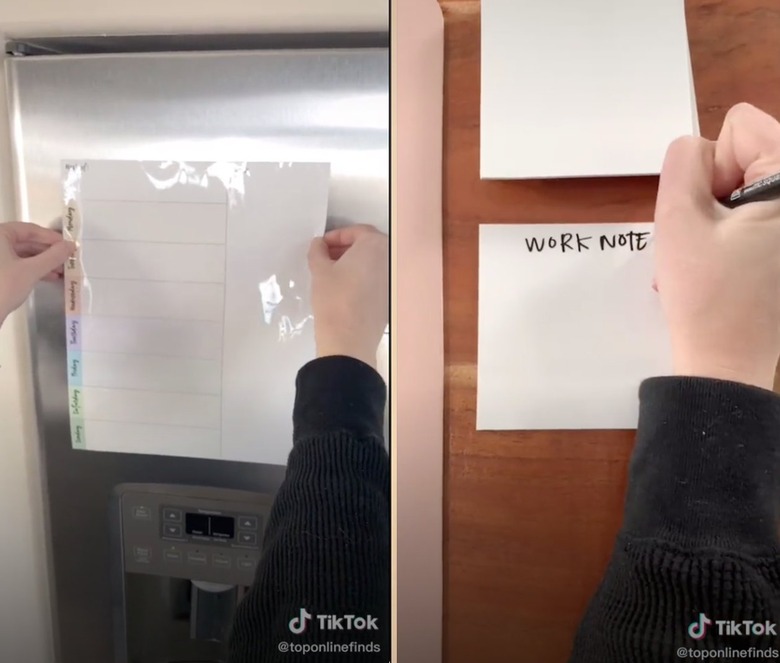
{"points": [[78, 433]]}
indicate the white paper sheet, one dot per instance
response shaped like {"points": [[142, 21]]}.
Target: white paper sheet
{"points": [[566, 332], [579, 89], [187, 304]]}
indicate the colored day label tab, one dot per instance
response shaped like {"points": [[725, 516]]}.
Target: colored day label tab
{"points": [[72, 293], [78, 433], [72, 222], [73, 333], [74, 369], [76, 396]]}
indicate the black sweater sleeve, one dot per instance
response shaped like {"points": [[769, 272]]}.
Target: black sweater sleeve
{"points": [[700, 531], [327, 545]]}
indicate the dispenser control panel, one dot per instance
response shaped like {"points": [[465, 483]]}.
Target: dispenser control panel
{"points": [[208, 527], [201, 534]]}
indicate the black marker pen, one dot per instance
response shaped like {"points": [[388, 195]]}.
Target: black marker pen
{"points": [[763, 190]]}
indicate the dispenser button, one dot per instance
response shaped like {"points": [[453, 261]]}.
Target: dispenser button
{"points": [[143, 555], [247, 522], [142, 513], [172, 515], [247, 563], [172, 555], [196, 558], [247, 538], [221, 561], [172, 530]]}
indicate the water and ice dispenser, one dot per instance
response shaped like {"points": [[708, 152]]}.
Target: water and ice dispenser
{"points": [[183, 558]]}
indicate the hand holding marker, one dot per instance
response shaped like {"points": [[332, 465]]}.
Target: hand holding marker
{"points": [[766, 189]]}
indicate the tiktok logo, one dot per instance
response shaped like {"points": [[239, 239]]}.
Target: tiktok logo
{"points": [[298, 624], [697, 630]]}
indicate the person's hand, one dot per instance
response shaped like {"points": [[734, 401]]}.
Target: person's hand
{"points": [[717, 269], [28, 254], [350, 292]]}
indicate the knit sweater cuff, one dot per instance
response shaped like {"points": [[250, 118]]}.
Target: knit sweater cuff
{"points": [[338, 395], [704, 473]]}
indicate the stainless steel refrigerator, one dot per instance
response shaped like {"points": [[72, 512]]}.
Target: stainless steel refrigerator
{"points": [[186, 97]]}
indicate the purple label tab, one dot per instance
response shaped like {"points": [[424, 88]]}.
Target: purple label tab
{"points": [[73, 333]]}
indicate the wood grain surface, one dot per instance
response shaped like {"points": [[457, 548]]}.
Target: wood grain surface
{"points": [[531, 517]]}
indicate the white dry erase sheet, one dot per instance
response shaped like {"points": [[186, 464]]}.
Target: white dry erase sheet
{"points": [[583, 89], [569, 325], [187, 304]]}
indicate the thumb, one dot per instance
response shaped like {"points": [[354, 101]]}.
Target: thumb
{"points": [[319, 254], [748, 148], [53, 258]]}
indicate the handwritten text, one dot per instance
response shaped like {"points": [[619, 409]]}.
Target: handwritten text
{"points": [[577, 243], [75, 402], [72, 292], [70, 219]]}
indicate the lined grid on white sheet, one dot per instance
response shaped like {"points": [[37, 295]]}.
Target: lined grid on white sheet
{"points": [[188, 304], [152, 323]]}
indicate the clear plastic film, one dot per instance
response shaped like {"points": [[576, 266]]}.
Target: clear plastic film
{"points": [[187, 303]]}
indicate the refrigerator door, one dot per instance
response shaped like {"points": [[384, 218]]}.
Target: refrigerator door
{"points": [[265, 105]]}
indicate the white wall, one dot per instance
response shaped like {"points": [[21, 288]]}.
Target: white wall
{"points": [[25, 625]]}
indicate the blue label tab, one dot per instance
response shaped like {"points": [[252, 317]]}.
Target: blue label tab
{"points": [[74, 369]]}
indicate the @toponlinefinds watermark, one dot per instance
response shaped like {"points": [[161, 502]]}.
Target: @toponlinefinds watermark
{"points": [[728, 654], [728, 627], [300, 623], [329, 647]]}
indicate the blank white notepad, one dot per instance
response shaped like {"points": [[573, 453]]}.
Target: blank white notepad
{"points": [[569, 325], [581, 89], [187, 304]]}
